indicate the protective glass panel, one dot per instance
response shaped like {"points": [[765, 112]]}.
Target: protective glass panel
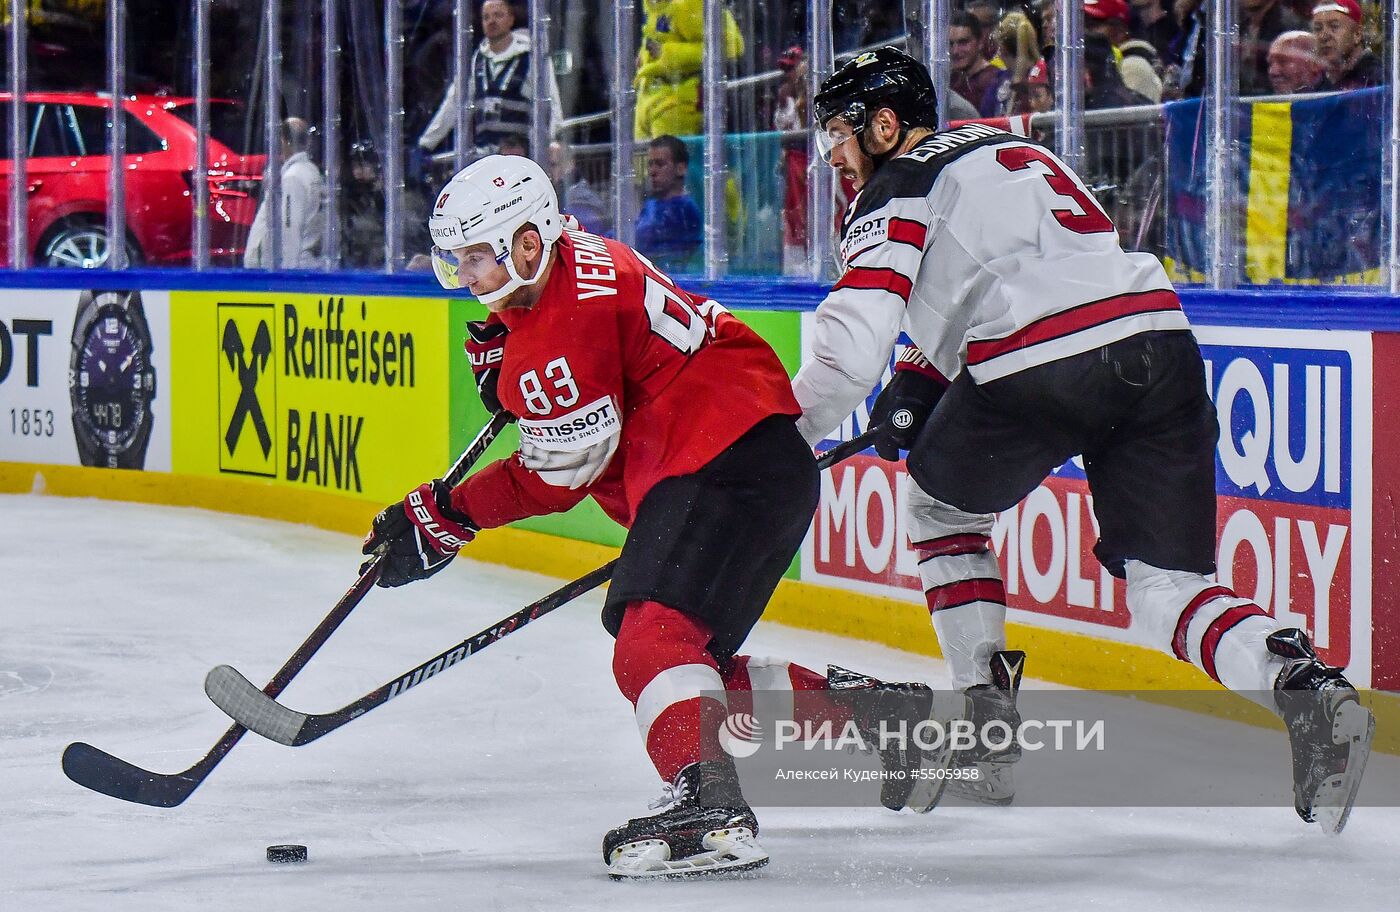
{"points": [[360, 213], [65, 118], [237, 140], [1311, 138], [301, 133], [580, 155], [669, 129]]}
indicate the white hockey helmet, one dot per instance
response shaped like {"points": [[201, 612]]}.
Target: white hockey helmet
{"points": [[486, 203]]}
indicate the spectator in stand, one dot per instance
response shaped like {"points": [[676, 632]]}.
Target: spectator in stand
{"points": [[973, 76], [988, 12], [668, 227], [1110, 19], [1261, 21], [303, 206], [1040, 96], [1294, 66], [576, 195], [789, 116], [501, 86], [1151, 21], [1350, 64], [668, 66], [1105, 88]]}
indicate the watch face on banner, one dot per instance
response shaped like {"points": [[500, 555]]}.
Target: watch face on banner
{"points": [[109, 392], [111, 380]]}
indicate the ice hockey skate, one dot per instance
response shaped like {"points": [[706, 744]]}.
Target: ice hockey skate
{"points": [[704, 827], [1329, 731], [913, 777], [993, 782]]}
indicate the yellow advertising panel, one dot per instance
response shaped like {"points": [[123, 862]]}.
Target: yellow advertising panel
{"points": [[345, 394]]}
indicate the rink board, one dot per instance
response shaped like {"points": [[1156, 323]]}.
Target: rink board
{"points": [[318, 406]]}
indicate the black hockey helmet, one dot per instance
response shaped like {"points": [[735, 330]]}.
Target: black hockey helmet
{"points": [[883, 78]]}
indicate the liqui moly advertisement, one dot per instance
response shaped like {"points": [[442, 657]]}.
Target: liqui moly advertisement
{"points": [[1293, 480]]}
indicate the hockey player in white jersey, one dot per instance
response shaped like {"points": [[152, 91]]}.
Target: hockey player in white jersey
{"points": [[1037, 338]]}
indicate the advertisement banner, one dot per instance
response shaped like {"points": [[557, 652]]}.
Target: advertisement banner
{"points": [[343, 394], [83, 378], [1293, 482]]}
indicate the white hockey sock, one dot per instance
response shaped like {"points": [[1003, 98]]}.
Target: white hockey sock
{"points": [[1206, 624]]}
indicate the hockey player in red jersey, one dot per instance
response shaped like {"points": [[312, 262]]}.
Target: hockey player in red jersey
{"points": [[679, 421], [1037, 338]]}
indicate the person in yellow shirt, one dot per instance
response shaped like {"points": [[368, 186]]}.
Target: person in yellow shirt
{"points": [[668, 66]]}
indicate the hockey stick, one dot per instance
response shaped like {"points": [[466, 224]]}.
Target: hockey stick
{"points": [[100, 771], [260, 713]]}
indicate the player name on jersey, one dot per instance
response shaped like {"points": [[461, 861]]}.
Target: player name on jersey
{"points": [[593, 264]]}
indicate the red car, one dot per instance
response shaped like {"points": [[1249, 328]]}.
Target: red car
{"points": [[69, 162]]}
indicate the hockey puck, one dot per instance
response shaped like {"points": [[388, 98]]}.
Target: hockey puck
{"points": [[286, 854]]}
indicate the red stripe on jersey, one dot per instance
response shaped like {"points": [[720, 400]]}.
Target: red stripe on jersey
{"points": [[1076, 319], [1189, 612], [1218, 628], [969, 543], [878, 278], [906, 231], [965, 592]]}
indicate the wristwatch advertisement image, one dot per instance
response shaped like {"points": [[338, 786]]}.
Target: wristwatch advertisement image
{"points": [[111, 380]]}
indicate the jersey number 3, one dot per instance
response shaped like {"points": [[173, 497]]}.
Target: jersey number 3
{"points": [[1091, 221]]}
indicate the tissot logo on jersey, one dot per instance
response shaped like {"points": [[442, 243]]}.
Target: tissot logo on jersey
{"points": [[574, 430], [864, 234]]}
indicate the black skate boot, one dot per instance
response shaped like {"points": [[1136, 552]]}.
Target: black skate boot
{"points": [[985, 774], [913, 778], [705, 827], [1329, 731]]}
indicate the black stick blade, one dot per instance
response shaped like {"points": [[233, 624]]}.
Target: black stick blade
{"points": [[251, 708], [94, 768]]}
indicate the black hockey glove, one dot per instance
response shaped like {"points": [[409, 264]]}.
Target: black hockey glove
{"points": [[486, 346], [418, 536], [905, 403]]}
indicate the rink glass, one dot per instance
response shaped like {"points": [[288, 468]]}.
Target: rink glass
{"points": [[1229, 182]]}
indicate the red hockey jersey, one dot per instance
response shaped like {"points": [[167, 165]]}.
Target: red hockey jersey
{"points": [[614, 346]]}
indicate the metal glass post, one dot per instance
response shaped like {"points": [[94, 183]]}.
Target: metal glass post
{"points": [[461, 81], [392, 158], [541, 68], [330, 139], [821, 179], [1069, 82], [714, 88], [936, 14], [200, 172], [624, 108], [272, 130], [1222, 148], [116, 134], [19, 139], [1392, 156]]}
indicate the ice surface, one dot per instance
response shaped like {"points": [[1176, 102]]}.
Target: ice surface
{"points": [[490, 787]]}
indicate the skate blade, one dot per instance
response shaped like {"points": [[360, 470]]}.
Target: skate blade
{"points": [[995, 785], [934, 774], [1333, 801], [729, 851]]}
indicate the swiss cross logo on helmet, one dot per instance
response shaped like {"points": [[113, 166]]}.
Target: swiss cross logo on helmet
{"points": [[499, 181]]}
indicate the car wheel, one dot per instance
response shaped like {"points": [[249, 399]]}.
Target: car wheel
{"points": [[80, 244]]}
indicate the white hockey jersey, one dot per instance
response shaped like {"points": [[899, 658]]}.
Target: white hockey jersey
{"points": [[991, 255]]}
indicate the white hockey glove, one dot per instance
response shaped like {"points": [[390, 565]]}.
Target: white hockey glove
{"points": [[570, 469]]}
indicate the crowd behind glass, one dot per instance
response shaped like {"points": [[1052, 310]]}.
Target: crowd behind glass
{"points": [[348, 160]]}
